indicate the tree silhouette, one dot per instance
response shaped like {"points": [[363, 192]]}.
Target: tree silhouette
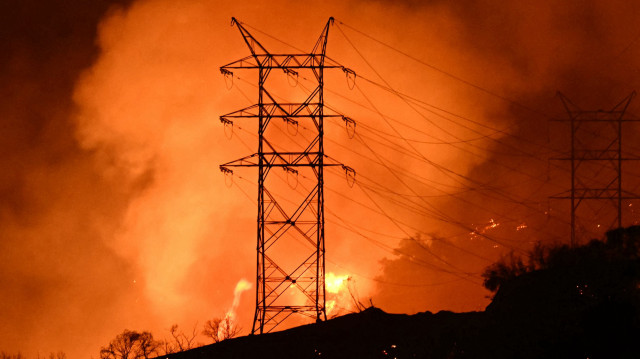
{"points": [[504, 270], [4, 355], [180, 340], [131, 345], [619, 247], [218, 329], [583, 301], [52, 355]]}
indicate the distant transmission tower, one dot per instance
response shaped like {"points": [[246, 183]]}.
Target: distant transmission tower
{"points": [[290, 246], [596, 159]]}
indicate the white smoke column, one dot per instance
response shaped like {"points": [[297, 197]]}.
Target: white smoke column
{"points": [[229, 321], [242, 286]]}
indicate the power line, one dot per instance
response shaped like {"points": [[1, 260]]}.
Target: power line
{"points": [[420, 156], [455, 77]]}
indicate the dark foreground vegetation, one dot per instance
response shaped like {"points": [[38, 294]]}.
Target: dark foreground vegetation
{"points": [[560, 302]]}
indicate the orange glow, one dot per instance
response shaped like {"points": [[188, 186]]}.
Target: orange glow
{"points": [[114, 213], [335, 283], [338, 296]]}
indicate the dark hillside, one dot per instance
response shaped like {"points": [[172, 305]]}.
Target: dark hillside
{"points": [[581, 302], [369, 334]]}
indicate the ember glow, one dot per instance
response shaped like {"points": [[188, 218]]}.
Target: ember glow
{"points": [[481, 230], [111, 143]]}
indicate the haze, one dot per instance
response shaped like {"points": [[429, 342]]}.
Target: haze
{"points": [[114, 213]]}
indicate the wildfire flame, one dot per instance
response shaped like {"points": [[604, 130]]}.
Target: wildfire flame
{"points": [[228, 322], [335, 283], [479, 231], [337, 292], [242, 286]]}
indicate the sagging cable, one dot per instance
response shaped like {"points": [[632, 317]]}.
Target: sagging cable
{"points": [[291, 173], [350, 175], [291, 123], [228, 78], [228, 176], [350, 126], [228, 127], [351, 77], [291, 74]]}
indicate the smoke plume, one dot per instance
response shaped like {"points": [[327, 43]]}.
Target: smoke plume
{"points": [[114, 213]]}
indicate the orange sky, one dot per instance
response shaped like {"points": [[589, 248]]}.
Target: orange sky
{"points": [[115, 214]]}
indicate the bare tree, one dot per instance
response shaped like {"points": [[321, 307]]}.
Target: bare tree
{"points": [[218, 329], [131, 345], [355, 299], [168, 347], [229, 328], [181, 341], [147, 346], [4, 355], [211, 329]]}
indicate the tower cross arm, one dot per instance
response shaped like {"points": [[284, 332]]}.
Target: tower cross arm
{"points": [[279, 110], [295, 283], [283, 159], [282, 61]]}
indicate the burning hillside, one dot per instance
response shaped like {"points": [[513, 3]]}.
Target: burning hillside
{"points": [[581, 302]]}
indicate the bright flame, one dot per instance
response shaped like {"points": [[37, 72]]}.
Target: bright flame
{"points": [[337, 292], [334, 283], [242, 286]]}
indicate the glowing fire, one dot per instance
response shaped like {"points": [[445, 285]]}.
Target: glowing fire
{"points": [[335, 283], [481, 230], [337, 292], [242, 286], [228, 322]]}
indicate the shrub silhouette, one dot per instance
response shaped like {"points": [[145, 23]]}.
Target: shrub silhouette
{"points": [[582, 301]]}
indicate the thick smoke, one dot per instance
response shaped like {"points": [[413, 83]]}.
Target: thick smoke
{"points": [[56, 209], [525, 53], [114, 214]]}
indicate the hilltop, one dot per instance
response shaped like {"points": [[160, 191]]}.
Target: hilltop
{"points": [[581, 302]]}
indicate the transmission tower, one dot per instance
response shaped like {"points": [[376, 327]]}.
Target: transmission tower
{"points": [[290, 282], [596, 159]]}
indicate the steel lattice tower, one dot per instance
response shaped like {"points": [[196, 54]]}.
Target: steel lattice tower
{"points": [[286, 284], [596, 159]]}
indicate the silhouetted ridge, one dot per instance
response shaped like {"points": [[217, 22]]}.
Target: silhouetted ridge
{"points": [[580, 302]]}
